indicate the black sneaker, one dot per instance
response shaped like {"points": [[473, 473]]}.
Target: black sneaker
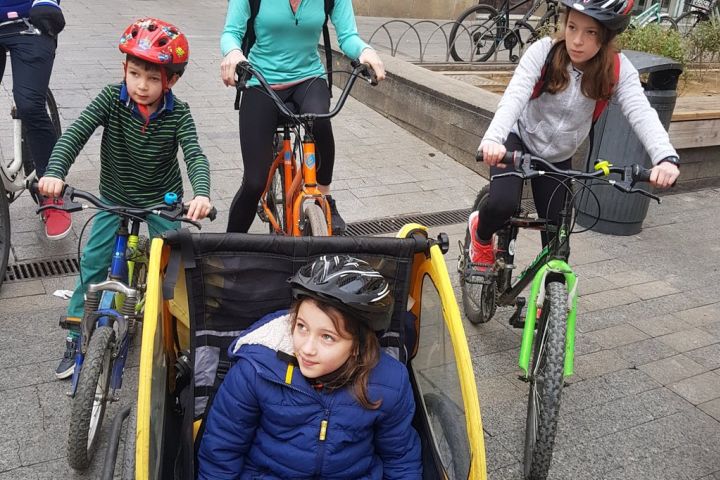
{"points": [[67, 364], [338, 224]]}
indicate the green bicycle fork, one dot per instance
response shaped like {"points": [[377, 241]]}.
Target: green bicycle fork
{"points": [[553, 266]]}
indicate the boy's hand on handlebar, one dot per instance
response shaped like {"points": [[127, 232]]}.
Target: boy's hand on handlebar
{"points": [[493, 153], [370, 57], [664, 175], [50, 187], [199, 208], [228, 64]]}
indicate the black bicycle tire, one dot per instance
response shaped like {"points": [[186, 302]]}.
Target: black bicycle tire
{"points": [[28, 162], [128, 458], [699, 17], [275, 195], [484, 311], [315, 221], [79, 451], [4, 232], [665, 18], [452, 37], [452, 431], [547, 364]]}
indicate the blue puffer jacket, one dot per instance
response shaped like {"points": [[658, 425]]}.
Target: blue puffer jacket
{"points": [[12, 9], [260, 427]]}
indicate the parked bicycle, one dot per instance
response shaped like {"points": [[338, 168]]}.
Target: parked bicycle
{"points": [[291, 203], [548, 340], [697, 11], [113, 309], [18, 170], [482, 30], [653, 14]]}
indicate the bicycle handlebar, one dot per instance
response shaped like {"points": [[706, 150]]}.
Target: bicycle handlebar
{"points": [[525, 164], [173, 211], [244, 71]]}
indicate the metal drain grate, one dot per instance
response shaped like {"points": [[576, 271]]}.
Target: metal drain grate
{"points": [[41, 269], [392, 225]]}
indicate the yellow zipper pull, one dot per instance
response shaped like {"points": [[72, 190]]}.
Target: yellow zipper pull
{"points": [[323, 430]]}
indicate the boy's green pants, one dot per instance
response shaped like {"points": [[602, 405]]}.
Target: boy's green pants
{"points": [[97, 255]]}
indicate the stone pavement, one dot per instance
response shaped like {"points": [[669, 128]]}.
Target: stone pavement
{"points": [[644, 404]]}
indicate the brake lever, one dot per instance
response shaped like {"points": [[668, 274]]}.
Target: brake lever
{"points": [[365, 71]]}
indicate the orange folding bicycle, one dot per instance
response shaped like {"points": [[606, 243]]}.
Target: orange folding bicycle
{"points": [[292, 204]]}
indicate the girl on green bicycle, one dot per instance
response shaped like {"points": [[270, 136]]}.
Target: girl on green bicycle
{"points": [[574, 72]]}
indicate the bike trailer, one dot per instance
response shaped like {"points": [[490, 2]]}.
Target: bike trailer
{"points": [[204, 289]]}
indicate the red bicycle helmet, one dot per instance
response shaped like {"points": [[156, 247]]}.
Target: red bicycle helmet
{"points": [[613, 14], [156, 42]]}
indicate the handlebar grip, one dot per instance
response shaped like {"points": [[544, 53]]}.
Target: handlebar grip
{"points": [[366, 71], [508, 159], [641, 174], [243, 75], [212, 214], [33, 187]]}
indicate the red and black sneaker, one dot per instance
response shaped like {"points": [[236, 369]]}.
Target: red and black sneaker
{"points": [[57, 222], [481, 254]]}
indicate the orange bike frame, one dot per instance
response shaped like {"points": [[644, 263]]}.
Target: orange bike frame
{"points": [[300, 185]]}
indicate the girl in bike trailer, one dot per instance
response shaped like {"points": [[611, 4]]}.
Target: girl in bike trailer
{"points": [[559, 88], [144, 126], [281, 41], [313, 384]]}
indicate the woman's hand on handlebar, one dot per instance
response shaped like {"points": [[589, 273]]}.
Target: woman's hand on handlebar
{"points": [[228, 64], [199, 208], [370, 57], [664, 175], [492, 153], [50, 187]]}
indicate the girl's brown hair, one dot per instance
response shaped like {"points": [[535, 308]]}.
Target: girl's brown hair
{"points": [[598, 73], [364, 356]]}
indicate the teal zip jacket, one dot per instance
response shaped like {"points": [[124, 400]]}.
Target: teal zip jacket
{"points": [[286, 45]]}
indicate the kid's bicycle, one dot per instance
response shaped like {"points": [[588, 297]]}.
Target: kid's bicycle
{"points": [[17, 170], [481, 30], [548, 340], [113, 309], [291, 203]]}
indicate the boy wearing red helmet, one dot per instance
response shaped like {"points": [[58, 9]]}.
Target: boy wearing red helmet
{"points": [[144, 125]]}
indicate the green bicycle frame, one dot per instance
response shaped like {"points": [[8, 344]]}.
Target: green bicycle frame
{"points": [[553, 266]]}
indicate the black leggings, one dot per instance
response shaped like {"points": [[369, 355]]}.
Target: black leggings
{"points": [[259, 119], [505, 193]]}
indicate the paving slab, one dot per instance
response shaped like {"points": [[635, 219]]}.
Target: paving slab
{"points": [[643, 402]]}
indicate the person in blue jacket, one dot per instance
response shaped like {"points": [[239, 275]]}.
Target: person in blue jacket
{"points": [[32, 58], [286, 53], [311, 395]]}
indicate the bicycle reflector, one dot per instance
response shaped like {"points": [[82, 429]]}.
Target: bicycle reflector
{"points": [[171, 198]]}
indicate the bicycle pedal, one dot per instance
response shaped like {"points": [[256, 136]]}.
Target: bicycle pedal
{"points": [[523, 378], [261, 213]]}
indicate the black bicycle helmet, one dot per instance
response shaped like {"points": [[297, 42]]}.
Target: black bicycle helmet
{"points": [[613, 14], [350, 285]]}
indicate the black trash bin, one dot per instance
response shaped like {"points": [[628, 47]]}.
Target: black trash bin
{"points": [[615, 141]]}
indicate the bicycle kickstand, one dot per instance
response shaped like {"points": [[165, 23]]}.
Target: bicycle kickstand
{"points": [[517, 320]]}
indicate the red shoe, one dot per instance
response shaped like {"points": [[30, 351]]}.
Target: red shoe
{"points": [[57, 222], [483, 255]]}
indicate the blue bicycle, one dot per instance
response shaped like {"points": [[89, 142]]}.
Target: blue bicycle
{"points": [[113, 309]]}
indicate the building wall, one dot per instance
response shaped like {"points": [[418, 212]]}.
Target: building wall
{"points": [[435, 9]]}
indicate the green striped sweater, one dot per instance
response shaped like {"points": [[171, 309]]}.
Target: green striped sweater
{"points": [[138, 163]]}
